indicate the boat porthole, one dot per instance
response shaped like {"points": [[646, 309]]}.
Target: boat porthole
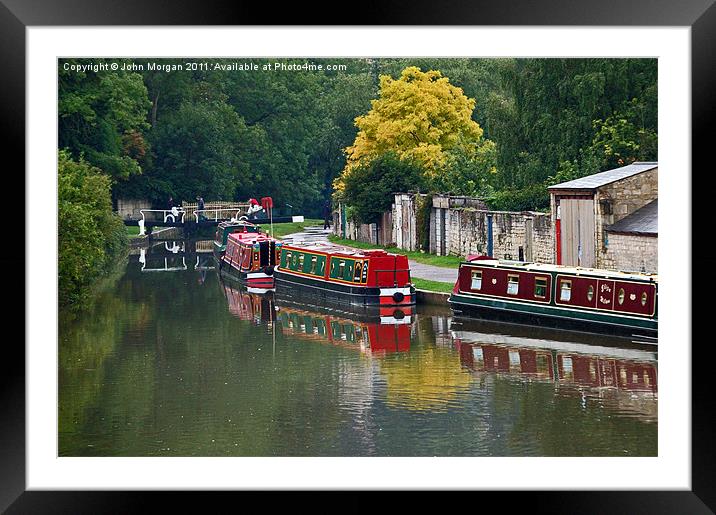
{"points": [[621, 295], [494, 281], [590, 293], [632, 296], [643, 299]]}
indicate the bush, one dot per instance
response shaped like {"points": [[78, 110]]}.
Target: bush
{"points": [[369, 188], [91, 236], [530, 198]]}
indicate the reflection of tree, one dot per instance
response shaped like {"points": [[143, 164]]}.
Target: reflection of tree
{"points": [[424, 379], [173, 373], [87, 341]]}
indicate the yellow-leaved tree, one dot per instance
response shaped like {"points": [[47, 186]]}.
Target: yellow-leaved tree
{"points": [[419, 117]]}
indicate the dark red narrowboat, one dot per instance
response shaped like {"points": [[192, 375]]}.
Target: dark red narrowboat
{"points": [[582, 299], [357, 277], [250, 259]]}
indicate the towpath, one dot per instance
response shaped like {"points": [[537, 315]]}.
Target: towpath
{"points": [[420, 270]]}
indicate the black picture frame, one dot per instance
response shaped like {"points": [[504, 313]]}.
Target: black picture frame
{"points": [[700, 15]]}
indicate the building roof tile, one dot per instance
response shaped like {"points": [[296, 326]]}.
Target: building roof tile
{"points": [[641, 221], [596, 180]]}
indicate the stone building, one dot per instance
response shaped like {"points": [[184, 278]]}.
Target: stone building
{"points": [[632, 243], [584, 208]]}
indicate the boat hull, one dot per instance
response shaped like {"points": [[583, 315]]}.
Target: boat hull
{"points": [[326, 291], [551, 316], [255, 281]]}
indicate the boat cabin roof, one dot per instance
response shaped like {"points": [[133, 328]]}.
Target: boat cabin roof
{"points": [[248, 238], [335, 250], [236, 223], [572, 270]]}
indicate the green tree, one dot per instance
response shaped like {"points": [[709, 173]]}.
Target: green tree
{"points": [[369, 190], [199, 148], [618, 142], [102, 117], [91, 236], [420, 117]]}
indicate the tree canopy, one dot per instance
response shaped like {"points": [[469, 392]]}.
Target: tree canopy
{"points": [[476, 126], [420, 117]]}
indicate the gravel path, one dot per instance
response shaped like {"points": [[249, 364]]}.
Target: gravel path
{"points": [[419, 270]]}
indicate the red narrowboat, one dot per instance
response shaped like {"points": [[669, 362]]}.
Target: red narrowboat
{"points": [[356, 277], [583, 299], [225, 228], [250, 259]]}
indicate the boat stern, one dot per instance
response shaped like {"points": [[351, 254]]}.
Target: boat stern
{"points": [[397, 296]]}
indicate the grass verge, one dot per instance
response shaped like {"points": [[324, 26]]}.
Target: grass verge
{"points": [[436, 286], [132, 231], [420, 257]]}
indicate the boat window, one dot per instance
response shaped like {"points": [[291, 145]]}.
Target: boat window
{"points": [[341, 268], [322, 268], [590, 293], [541, 287], [349, 273], [314, 261], [300, 261], [565, 291], [621, 296], [513, 284], [476, 282], [358, 270], [644, 296], [288, 258]]}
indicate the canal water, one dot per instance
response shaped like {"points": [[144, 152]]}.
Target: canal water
{"points": [[174, 360]]}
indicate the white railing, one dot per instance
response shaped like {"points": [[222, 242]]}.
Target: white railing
{"points": [[167, 268], [167, 215], [217, 214], [199, 267]]}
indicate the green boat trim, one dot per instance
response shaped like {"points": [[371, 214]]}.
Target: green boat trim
{"points": [[547, 310]]}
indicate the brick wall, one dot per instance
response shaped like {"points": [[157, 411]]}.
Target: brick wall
{"points": [[631, 253]]}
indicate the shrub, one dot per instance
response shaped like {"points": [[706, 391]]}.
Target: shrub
{"points": [[91, 236], [530, 198]]}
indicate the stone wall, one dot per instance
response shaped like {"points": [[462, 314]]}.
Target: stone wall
{"points": [[128, 209], [404, 218], [515, 235], [631, 253], [377, 233]]}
